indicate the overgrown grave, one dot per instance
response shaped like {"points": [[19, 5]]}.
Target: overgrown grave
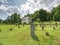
{"points": [[56, 24], [11, 29], [54, 27], [43, 26], [18, 25], [47, 34]]}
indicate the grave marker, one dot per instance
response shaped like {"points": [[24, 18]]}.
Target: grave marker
{"points": [[43, 27], [47, 34], [53, 26]]}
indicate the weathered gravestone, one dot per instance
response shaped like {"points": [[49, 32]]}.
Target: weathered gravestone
{"points": [[11, 29], [42, 26], [56, 24], [47, 34], [54, 27], [18, 26], [50, 25]]}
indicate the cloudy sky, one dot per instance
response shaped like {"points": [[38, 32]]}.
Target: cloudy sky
{"points": [[22, 7]]}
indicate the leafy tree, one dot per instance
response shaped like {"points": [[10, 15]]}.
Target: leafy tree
{"points": [[57, 14], [13, 19], [43, 15], [35, 16], [1, 21], [53, 12]]}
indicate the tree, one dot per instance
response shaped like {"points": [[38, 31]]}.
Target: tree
{"points": [[35, 16], [1, 21], [13, 19], [8, 20], [19, 19], [53, 12], [56, 13], [43, 16]]}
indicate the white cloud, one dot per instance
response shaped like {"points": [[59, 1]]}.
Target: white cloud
{"points": [[9, 9], [32, 5], [3, 1], [3, 7], [12, 9], [29, 7]]}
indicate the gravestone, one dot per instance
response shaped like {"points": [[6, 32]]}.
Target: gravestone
{"points": [[47, 34], [42, 26], [56, 24], [50, 25], [10, 29], [53, 26], [18, 26]]}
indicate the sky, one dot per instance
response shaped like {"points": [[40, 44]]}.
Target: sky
{"points": [[22, 7]]}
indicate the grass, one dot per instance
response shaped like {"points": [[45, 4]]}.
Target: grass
{"points": [[21, 36]]}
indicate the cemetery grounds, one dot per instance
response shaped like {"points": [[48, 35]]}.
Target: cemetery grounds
{"points": [[22, 36]]}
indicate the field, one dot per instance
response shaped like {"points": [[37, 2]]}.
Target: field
{"points": [[22, 36]]}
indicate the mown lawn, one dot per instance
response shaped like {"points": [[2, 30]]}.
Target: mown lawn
{"points": [[21, 36]]}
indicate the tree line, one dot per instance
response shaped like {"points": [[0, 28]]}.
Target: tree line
{"points": [[44, 15], [39, 15], [13, 19]]}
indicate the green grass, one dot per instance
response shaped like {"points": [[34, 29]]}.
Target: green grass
{"points": [[21, 36]]}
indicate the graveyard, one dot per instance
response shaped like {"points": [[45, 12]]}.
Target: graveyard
{"points": [[29, 22], [21, 35]]}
